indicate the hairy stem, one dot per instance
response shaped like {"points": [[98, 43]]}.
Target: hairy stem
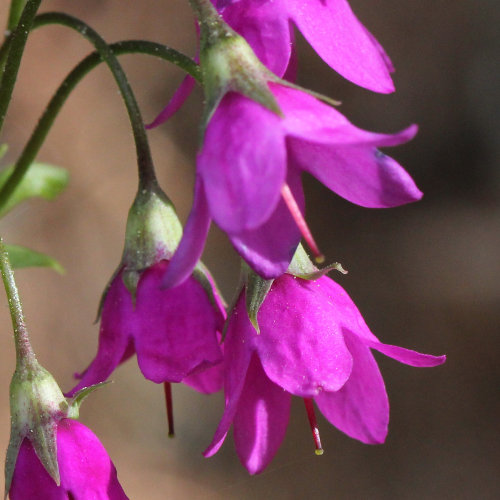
{"points": [[15, 54], [24, 351]]}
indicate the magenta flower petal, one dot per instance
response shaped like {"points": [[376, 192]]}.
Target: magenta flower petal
{"points": [[407, 356], [265, 26], [360, 174], [242, 163], [354, 324], [206, 380], [308, 350], [115, 337], [178, 99], [270, 248], [234, 379], [85, 469], [321, 141], [175, 329], [173, 332], [260, 423], [360, 408], [342, 41], [191, 246]]}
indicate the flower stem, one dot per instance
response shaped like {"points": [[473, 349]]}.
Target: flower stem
{"points": [[147, 176], [67, 86], [24, 352], [212, 26], [15, 53], [16, 9]]}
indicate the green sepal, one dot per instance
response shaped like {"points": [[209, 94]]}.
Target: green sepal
{"points": [[24, 257], [36, 404], [41, 180], [77, 400], [228, 63], [130, 278], [153, 233], [3, 149], [202, 275], [256, 290], [302, 266]]}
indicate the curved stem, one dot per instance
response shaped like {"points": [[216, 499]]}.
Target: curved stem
{"points": [[24, 351], [70, 82], [17, 44], [147, 176], [15, 11]]}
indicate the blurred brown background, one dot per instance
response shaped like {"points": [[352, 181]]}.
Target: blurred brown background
{"points": [[425, 276]]}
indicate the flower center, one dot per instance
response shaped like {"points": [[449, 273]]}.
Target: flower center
{"points": [[170, 408], [292, 205], [314, 425]]}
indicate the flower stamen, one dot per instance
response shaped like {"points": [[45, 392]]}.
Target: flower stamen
{"points": [[170, 408], [292, 205], [314, 425]]}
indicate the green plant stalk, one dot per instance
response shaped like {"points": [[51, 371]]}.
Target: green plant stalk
{"points": [[67, 86], [147, 176], [24, 352], [15, 54], [16, 9]]}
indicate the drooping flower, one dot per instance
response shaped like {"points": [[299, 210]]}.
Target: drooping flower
{"points": [[86, 471], [249, 169], [329, 26], [314, 344], [50, 456], [173, 332]]}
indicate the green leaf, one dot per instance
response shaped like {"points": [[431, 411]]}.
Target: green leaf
{"points": [[41, 180], [24, 257]]}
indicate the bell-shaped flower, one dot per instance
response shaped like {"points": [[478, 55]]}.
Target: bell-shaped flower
{"points": [[174, 332], [314, 344], [50, 456], [85, 469], [329, 26], [249, 169]]}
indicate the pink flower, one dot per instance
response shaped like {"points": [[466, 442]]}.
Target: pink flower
{"points": [[329, 26], [313, 343], [173, 332], [86, 471], [249, 157]]}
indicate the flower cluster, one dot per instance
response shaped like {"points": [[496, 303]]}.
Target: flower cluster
{"points": [[291, 330], [260, 133]]}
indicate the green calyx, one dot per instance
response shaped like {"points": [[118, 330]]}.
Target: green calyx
{"points": [[153, 233], [228, 63], [36, 404]]}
